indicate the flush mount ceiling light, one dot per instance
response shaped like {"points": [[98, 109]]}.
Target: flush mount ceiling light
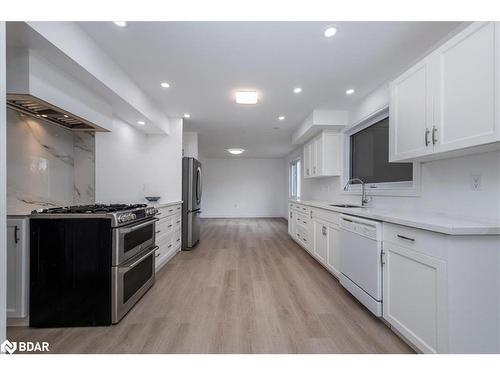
{"points": [[165, 85], [281, 118], [297, 90], [330, 31], [349, 92], [120, 23], [141, 123], [246, 97], [186, 115], [236, 151]]}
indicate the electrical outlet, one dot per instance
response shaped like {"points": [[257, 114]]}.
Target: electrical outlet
{"points": [[476, 182]]}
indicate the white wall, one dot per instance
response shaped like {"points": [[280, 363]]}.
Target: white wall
{"points": [[131, 165], [190, 144], [445, 184], [3, 193], [243, 188]]}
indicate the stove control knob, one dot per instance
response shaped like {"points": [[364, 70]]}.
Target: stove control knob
{"points": [[121, 218], [133, 216]]}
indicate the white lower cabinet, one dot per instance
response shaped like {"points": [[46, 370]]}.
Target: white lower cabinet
{"points": [[326, 250], [17, 267], [168, 234], [333, 251], [415, 297], [320, 241]]}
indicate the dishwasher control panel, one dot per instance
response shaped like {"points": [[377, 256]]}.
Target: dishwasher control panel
{"points": [[367, 228]]}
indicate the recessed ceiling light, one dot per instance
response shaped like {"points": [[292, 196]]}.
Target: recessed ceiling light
{"points": [[297, 90], [165, 85], [330, 31], [186, 115], [66, 116], [349, 92], [120, 23], [141, 123], [236, 151], [44, 116], [281, 118], [246, 97]]}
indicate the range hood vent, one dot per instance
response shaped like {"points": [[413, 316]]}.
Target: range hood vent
{"points": [[33, 106]]}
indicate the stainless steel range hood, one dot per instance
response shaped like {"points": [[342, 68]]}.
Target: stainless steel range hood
{"points": [[38, 108]]}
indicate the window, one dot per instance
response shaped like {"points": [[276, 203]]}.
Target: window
{"points": [[294, 179], [369, 156]]}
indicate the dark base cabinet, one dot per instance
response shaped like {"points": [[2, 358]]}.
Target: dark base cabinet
{"points": [[70, 272]]}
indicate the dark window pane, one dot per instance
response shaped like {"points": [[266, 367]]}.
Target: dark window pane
{"points": [[370, 156]]}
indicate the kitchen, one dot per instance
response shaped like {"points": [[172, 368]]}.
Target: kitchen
{"points": [[269, 214]]}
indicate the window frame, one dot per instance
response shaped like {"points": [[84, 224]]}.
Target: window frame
{"points": [[297, 162], [401, 188]]}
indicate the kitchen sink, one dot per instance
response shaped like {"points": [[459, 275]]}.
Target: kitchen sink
{"points": [[345, 205]]}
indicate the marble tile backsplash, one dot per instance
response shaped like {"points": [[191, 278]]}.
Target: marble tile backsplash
{"points": [[47, 166]]}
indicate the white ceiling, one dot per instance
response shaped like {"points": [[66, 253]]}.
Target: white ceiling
{"points": [[206, 61]]}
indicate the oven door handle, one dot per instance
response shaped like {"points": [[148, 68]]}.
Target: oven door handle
{"points": [[137, 261], [138, 226]]}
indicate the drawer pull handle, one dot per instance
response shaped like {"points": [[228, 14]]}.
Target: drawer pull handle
{"points": [[177, 222], [305, 222], [170, 210], [178, 239], [158, 231], [157, 255], [406, 238], [169, 246], [170, 226]]}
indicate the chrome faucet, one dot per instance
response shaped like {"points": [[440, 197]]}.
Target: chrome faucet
{"points": [[364, 198]]}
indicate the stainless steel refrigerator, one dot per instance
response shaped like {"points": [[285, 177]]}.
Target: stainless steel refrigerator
{"points": [[191, 202]]}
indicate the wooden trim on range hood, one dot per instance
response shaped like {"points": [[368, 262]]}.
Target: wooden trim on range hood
{"points": [[38, 108]]}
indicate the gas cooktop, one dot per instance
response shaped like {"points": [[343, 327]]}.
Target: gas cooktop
{"points": [[90, 209], [120, 214]]}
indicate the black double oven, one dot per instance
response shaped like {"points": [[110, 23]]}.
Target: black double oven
{"points": [[89, 265]]}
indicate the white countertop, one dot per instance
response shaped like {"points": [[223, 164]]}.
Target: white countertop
{"points": [[433, 221], [163, 205]]}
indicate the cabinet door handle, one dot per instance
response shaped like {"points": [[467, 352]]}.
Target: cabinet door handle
{"points": [[434, 139], [16, 230], [314, 169], [158, 231], [323, 230], [406, 238], [427, 131]]}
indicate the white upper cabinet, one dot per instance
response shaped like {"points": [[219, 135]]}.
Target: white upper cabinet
{"points": [[322, 155], [447, 101], [411, 113], [464, 111]]}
